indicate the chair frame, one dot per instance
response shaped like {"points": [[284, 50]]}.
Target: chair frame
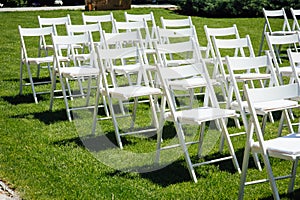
{"points": [[65, 71], [87, 19], [269, 148], [295, 13], [291, 40], [43, 58], [185, 116], [286, 29], [124, 93], [254, 64], [141, 17]]}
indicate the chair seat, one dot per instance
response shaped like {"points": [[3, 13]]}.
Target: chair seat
{"points": [[83, 57], [202, 114], [275, 105], [186, 84], [79, 71], [40, 60], [252, 76], [287, 71], [127, 92], [134, 68], [172, 63], [283, 32], [288, 145], [264, 107]]}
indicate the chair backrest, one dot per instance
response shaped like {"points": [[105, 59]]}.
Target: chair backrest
{"points": [[176, 54], [38, 33], [86, 28], [149, 18], [220, 32], [294, 58], [285, 41], [141, 26], [275, 14], [257, 72], [253, 66], [295, 13], [121, 40], [65, 46], [55, 22], [176, 23], [109, 58], [176, 35], [259, 95], [168, 74], [229, 47], [102, 19]]}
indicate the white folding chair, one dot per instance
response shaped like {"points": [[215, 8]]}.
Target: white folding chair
{"points": [[221, 33], [285, 147], [180, 54], [107, 59], [125, 40], [149, 18], [285, 41], [67, 71], [294, 58], [95, 29], [176, 23], [269, 27], [58, 23], [184, 27], [256, 72], [237, 47], [176, 35], [295, 14], [197, 115], [142, 26], [40, 58], [107, 19]]}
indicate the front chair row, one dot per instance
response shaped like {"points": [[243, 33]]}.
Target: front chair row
{"points": [[285, 147]]}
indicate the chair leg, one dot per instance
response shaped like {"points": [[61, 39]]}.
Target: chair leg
{"points": [[244, 171], [65, 97], [53, 86], [32, 83], [88, 94], [262, 40], [153, 107], [21, 78], [293, 176], [96, 109], [133, 117], [230, 146], [115, 123], [201, 139], [185, 151], [160, 129], [271, 177]]}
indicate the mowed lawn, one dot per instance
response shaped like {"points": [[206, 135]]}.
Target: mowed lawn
{"points": [[44, 156]]}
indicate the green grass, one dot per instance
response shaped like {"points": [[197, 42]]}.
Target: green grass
{"points": [[44, 156]]}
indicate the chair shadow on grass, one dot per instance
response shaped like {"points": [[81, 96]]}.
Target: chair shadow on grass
{"points": [[22, 99], [95, 143], [47, 117], [293, 196]]}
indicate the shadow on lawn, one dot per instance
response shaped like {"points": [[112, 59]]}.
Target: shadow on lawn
{"points": [[22, 99], [293, 196], [96, 143], [47, 117]]}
